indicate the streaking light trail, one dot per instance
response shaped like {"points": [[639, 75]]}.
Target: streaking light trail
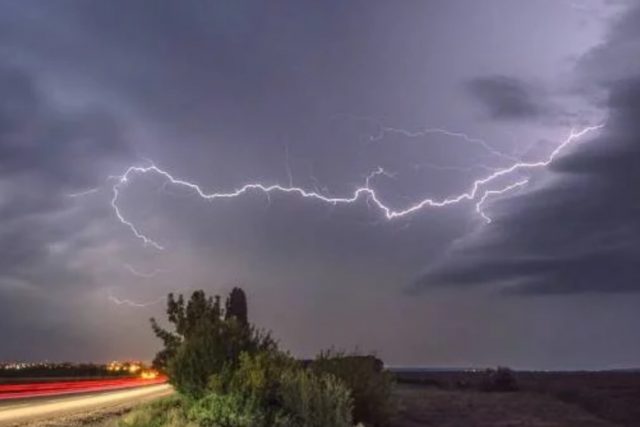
{"points": [[478, 190]]}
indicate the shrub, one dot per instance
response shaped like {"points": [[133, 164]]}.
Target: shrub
{"points": [[229, 374], [312, 400], [500, 380], [196, 359], [169, 412], [204, 340], [275, 390], [255, 375], [226, 410], [370, 385]]}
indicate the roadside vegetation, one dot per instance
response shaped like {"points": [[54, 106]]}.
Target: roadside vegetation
{"points": [[228, 373]]}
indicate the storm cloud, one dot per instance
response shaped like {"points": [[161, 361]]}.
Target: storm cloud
{"points": [[319, 95], [506, 98], [578, 234]]}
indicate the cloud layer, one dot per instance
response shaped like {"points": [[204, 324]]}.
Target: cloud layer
{"points": [[578, 233], [320, 95]]}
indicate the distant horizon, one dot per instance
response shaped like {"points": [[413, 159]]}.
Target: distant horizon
{"points": [[392, 367]]}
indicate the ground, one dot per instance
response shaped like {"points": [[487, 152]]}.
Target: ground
{"points": [[460, 399], [428, 406], [98, 418], [550, 399]]}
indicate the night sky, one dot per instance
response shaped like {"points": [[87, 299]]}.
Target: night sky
{"points": [[317, 96]]}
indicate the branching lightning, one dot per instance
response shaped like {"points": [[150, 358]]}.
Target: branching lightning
{"points": [[130, 303], [427, 131], [143, 274], [83, 193], [490, 193], [478, 190]]}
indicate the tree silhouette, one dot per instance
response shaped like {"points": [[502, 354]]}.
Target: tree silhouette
{"points": [[204, 339], [236, 307]]}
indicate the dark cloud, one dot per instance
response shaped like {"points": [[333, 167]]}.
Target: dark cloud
{"points": [[579, 233], [225, 93], [506, 98], [61, 149], [46, 155]]}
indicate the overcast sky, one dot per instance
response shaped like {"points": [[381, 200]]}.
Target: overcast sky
{"points": [[317, 96]]}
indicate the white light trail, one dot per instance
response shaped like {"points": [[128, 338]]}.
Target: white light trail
{"points": [[477, 189]]}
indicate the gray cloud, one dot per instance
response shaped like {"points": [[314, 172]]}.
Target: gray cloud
{"points": [[506, 98], [580, 233], [46, 154], [225, 93]]}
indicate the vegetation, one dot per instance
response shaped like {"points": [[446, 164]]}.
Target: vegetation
{"points": [[501, 380], [168, 412], [204, 340], [230, 374], [370, 385]]}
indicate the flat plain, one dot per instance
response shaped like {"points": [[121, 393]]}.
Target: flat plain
{"points": [[549, 399]]}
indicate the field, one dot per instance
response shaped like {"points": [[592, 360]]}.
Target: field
{"points": [[550, 399]]}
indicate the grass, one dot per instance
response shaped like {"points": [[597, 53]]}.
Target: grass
{"points": [[428, 406]]}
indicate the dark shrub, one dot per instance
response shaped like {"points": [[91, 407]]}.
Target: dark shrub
{"points": [[271, 389], [204, 340], [500, 380], [370, 384], [309, 399], [226, 410], [167, 412]]}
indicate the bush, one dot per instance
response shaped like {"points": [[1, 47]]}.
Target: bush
{"points": [[204, 340], [257, 378], [500, 380], [312, 400], [169, 412], [226, 410], [255, 375], [196, 359], [285, 394], [229, 374], [370, 385]]}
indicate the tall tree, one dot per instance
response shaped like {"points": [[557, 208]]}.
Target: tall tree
{"points": [[202, 342], [236, 307]]}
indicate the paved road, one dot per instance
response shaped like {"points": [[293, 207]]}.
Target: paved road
{"points": [[30, 389], [20, 411]]}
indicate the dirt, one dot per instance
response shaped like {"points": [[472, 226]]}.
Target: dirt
{"points": [[428, 406], [105, 417]]}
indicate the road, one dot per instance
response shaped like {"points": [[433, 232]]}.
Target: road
{"points": [[18, 411], [26, 390]]}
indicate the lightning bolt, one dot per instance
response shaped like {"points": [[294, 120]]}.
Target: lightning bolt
{"points": [[490, 193], [123, 179], [477, 189], [454, 168], [83, 193], [130, 303], [427, 131], [142, 274]]}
